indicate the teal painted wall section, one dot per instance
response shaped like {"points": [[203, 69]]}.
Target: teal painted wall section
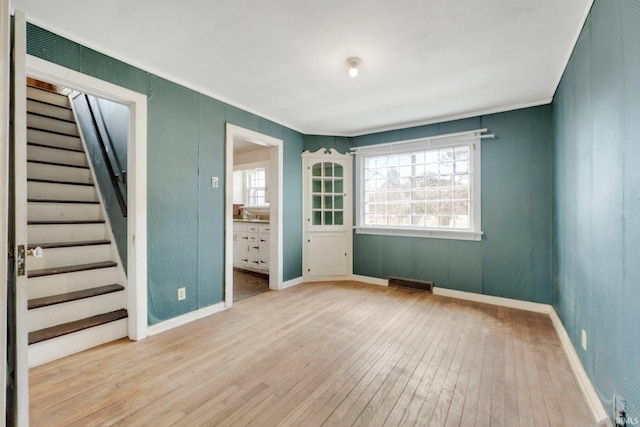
{"points": [[211, 201], [596, 123], [186, 134], [513, 259]]}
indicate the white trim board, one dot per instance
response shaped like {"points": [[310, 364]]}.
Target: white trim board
{"points": [[186, 318], [276, 180], [293, 282], [493, 300], [589, 392], [137, 182]]}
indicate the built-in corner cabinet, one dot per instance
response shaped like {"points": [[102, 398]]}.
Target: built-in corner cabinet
{"points": [[328, 223], [251, 246]]}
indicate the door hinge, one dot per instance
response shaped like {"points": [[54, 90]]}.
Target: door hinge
{"points": [[20, 260]]}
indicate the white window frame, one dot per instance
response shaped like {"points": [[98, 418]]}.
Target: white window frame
{"points": [[472, 139], [248, 178]]}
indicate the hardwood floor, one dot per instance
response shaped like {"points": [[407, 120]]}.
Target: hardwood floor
{"points": [[334, 354], [247, 284]]}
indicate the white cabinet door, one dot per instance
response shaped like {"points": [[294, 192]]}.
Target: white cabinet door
{"points": [[328, 254], [240, 247]]}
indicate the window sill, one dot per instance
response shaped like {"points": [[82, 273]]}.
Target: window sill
{"points": [[421, 232]]}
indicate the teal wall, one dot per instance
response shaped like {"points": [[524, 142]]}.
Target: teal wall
{"points": [[185, 148], [513, 260], [596, 123]]}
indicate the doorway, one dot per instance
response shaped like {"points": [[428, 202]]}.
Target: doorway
{"points": [[137, 178], [265, 235]]}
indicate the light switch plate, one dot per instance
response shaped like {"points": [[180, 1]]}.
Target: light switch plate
{"points": [[214, 182]]}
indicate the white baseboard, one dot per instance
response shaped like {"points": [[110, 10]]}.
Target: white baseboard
{"points": [[292, 282], [370, 280], [590, 395], [490, 299], [186, 318]]}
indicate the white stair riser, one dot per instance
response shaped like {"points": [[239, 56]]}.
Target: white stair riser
{"points": [[49, 350], [48, 190], [45, 317], [58, 173], [63, 211], [54, 140], [48, 97], [65, 157], [52, 233], [49, 110], [55, 284], [59, 257], [53, 125]]}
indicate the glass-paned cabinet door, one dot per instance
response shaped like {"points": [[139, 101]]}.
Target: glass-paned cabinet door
{"points": [[327, 193]]}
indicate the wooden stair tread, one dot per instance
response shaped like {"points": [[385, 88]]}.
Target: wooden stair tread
{"points": [[71, 269], [54, 181], [78, 325], [54, 245], [80, 202], [73, 296], [67, 222], [42, 162]]}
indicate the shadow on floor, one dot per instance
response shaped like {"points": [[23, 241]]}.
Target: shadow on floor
{"points": [[247, 284]]}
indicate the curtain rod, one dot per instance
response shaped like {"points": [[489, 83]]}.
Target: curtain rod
{"points": [[477, 132]]}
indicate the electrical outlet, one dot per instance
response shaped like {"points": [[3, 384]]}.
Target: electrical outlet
{"points": [[584, 340], [182, 294]]}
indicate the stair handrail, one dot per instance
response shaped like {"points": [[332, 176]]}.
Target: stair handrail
{"points": [[114, 177]]}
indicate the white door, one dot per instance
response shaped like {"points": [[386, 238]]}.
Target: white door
{"points": [[328, 224]]}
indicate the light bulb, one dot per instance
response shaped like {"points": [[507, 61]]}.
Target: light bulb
{"points": [[353, 66]]}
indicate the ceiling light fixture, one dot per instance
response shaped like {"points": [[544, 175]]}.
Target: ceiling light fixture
{"points": [[354, 63]]}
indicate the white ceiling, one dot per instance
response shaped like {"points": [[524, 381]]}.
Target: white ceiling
{"points": [[423, 61]]}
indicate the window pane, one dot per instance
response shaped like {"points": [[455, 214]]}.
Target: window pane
{"points": [[328, 202], [328, 169], [317, 186], [316, 170], [338, 186], [462, 153], [337, 170], [337, 202], [338, 218], [328, 186], [317, 218], [462, 166], [317, 202], [328, 218]]}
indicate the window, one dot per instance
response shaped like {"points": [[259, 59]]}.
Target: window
{"points": [[424, 188], [250, 187], [256, 187]]}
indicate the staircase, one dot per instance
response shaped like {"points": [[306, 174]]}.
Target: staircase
{"points": [[76, 292]]}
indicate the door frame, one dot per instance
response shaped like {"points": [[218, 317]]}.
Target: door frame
{"points": [[5, 67], [136, 182], [275, 206]]}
